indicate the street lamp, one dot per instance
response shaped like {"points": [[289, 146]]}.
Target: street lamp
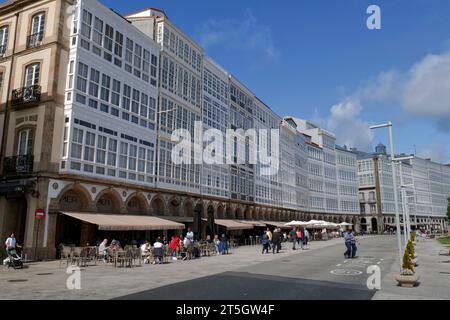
{"points": [[405, 211], [394, 179]]}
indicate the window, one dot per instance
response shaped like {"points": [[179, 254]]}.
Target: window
{"points": [[106, 85], [38, 23], [129, 55], [82, 77], [115, 97], [25, 146], [86, 25], [3, 40], [32, 74], [77, 142], [123, 155], [89, 147], [98, 31], [126, 97], [101, 150], [112, 152], [94, 82]]}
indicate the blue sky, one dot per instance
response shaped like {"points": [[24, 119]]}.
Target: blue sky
{"points": [[316, 59]]}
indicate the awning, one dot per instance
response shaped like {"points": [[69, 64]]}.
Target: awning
{"points": [[233, 224], [116, 222], [254, 223], [180, 219], [277, 224]]}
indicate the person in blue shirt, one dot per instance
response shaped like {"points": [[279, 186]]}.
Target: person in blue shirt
{"points": [[265, 242], [349, 238]]}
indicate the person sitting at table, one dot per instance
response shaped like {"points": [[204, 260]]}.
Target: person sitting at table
{"points": [[103, 250], [158, 251], [145, 251], [113, 248]]}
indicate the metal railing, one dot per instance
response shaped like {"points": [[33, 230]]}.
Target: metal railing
{"points": [[26, 95], [35, 39], [18, 164]]}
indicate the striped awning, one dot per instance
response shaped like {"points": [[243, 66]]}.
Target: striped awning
{"points": [[277, 224], [122, 222], [233, 224], [180, 219], [253, 223]]}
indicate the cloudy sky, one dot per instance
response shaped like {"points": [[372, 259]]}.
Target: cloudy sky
{"points": [[316, 59]]}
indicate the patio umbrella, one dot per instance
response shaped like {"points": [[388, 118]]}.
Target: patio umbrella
{"points": [[345, 224]]}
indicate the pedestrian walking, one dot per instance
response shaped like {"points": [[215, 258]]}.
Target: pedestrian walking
{"points": [[265, 242], [306, 236], [276, 240], [349, 238], [293, 237], [269, 234], [300, 238]]}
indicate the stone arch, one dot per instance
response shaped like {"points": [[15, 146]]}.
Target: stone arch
{"points": [[73, 198], [248, 214], [109, 201], [229, 214], [158, 206], [137, 204], [220, 213], [239, 213], [188, 208], [174, 206]]}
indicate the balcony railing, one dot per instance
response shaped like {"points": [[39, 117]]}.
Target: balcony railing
{"points": [[18, 165], [24, 95], [372, 200], [35, 40]]}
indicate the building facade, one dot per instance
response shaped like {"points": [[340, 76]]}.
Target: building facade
{"points": [[89, 101], [422, 192]]}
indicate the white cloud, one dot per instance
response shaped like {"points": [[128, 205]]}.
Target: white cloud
{"points": [[427, 88], [436, 151], [244, 34], [421, 91], [346, 123]]}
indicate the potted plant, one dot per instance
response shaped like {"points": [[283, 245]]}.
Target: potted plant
{"points": [[407, 278], [412, 253]]}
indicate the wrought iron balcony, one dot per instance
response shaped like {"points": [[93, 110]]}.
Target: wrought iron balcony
{"points": [[31, 94], [18, 165], [35, 40]]}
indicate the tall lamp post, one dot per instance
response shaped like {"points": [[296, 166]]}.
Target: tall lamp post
{"points": [[406, 220], [394, 179]]}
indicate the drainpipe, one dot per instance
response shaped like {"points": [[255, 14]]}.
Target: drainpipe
{"points": [[8, 93]]}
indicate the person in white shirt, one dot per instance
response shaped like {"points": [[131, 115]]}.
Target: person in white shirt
{"points": [[190, 235], [158, 251], [11, 243], [145, 247], [103, 250]]}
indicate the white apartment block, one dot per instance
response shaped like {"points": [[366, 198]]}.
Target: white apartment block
{"points": [[110, 100], [241, 117], [423, 189], [180, 99], [267, 187], [215, 113], [347, 182]]}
